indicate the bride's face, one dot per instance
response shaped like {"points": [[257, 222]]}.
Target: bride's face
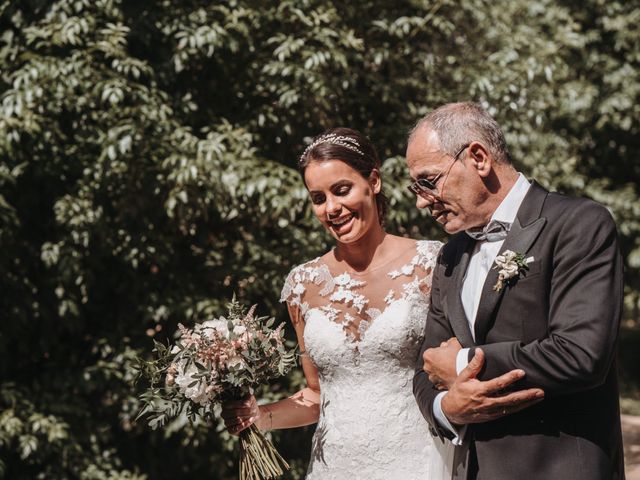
{"points": [[343, 201]]}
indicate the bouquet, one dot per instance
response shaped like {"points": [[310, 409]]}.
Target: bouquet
{"points": [[218, 360]]}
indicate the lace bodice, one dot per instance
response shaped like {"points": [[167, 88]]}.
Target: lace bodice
{"points": [[363, 332], [354, 299]]}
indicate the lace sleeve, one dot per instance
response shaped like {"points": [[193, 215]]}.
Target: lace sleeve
{"points": [[427, 258], [293, 288], [428, 251], [300, 277]]}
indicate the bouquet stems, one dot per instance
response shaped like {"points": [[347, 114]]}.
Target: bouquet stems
{"points": [[259, 460]]}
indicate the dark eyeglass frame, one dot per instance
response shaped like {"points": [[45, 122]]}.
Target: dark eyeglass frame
{"points": [[424, 186]]}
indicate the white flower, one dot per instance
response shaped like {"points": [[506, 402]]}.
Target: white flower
{"points": [[220, 325], [507, 257], [509, 270], [239, 329], [511, 264], [184, 378], [243, 337]]}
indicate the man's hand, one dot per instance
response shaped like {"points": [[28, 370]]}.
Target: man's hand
{"points": [[470, 400], [440, 363]]}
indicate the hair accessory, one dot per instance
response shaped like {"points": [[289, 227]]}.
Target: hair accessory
{"points": [[334, 139]]}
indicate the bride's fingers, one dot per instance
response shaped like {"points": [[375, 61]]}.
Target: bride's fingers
{"points": [[229, 414], [231, 404], [247, 402], [229, 410], [234, 429], [232, 422], [243, 425], [237, 412], [237, 426], [236, 419]]}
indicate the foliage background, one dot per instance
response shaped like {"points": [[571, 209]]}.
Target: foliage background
{"points": [[147, 171]]}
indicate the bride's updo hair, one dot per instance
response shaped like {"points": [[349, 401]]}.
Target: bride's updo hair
{"points": [[351, 147]]}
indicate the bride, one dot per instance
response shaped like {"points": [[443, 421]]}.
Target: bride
{"points": [[359, 314]]}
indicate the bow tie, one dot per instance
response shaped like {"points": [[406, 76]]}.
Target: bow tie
{"points": [[494, 231]]}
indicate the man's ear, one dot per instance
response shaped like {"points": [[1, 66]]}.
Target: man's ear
{"points": [[375, 181], [480, 158]]}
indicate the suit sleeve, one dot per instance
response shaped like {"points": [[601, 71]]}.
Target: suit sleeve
{"points": [[585, 294], [437, 330]]}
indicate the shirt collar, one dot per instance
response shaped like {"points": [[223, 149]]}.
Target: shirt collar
{"points": [[508, 208]]}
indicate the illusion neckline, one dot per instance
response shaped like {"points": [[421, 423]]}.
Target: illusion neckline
{"points": [[368, 270]]}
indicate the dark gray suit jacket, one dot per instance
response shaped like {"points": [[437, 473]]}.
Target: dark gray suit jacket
{"points": [[559, 323]]}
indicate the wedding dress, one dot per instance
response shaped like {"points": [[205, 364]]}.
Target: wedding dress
{"points": [[363, 332]]}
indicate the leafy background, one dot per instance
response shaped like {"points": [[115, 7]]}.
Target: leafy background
{"points": [[147, 172]]}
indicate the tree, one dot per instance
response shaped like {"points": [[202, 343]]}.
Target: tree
{"points": [[147, 172]]}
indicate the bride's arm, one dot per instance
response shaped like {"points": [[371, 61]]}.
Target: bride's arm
{"points": [[301, 408]]}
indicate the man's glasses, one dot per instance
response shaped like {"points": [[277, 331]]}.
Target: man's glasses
{"points": [[424, 186]]}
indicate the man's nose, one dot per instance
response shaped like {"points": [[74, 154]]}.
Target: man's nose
{"points": [[422, 202]]}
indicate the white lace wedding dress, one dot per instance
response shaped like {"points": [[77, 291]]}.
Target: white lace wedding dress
{"points": [[363, 332]]}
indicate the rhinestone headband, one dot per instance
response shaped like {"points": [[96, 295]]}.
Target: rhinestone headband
{"points": [[334, 139]]}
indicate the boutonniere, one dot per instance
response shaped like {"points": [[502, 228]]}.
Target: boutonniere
{"points": [[511, 265]]}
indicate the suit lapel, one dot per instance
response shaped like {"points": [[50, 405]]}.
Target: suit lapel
{"points": [[457, 316], [524, 231]]}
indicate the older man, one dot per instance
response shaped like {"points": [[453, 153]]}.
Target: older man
{"points": [[518, 360]]}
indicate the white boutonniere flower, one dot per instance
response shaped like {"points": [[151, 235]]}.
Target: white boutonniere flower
{"points": [[511, 265]]}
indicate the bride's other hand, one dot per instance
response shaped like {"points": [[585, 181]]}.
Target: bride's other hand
{"points": [[240, 414]]}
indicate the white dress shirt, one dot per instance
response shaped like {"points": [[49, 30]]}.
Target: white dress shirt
{"points": [[482, 258]]}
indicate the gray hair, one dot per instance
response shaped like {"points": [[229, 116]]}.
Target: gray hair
{"points": [[458, 124]]}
